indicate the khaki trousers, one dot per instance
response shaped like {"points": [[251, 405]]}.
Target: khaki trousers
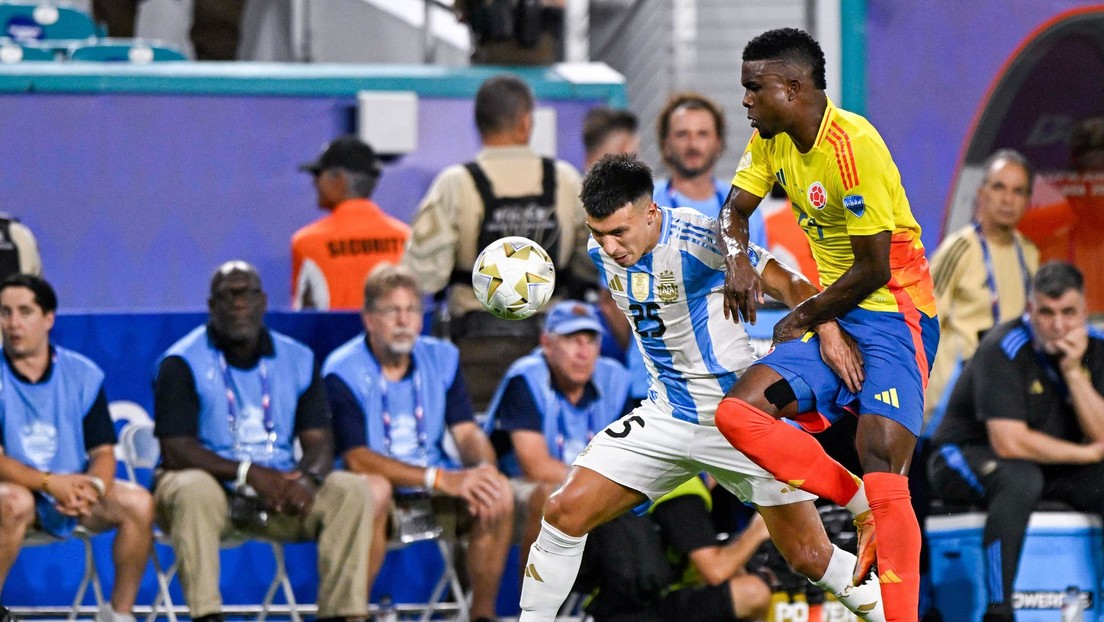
{"points": [[192, 506]]}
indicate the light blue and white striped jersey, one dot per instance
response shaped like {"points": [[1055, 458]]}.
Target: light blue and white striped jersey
{"points": [[674, 299]]}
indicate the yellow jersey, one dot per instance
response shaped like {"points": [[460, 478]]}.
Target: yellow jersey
{"points": [[846, 185]]}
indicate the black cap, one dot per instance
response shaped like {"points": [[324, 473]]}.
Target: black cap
{"points": [[347, 152]]}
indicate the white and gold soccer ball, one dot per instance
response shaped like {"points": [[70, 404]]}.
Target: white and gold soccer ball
{"points": [[513, 278]]}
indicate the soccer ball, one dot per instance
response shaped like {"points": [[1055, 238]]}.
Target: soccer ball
{"points": [[513, 278]]}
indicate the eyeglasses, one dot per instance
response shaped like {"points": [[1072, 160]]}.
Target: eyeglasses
{"points": [[393, 311]]}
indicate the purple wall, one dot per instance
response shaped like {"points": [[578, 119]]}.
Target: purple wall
{"points": [[136, 198], [929, 67]]}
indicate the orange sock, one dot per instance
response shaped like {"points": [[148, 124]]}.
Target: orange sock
{"points": [[803, 464], [898, 545]]}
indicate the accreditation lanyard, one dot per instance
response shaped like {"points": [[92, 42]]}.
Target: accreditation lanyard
{"points": [[232, 404], [561, 419], [990, 274], [419, 418], [673, 202]]}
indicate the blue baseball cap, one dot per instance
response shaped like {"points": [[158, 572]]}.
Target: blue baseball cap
{"points": [[572, 316]]}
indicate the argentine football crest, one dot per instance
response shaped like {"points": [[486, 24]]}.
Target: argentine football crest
{"points": [[640, 285], [817, 195], [667, 289]]}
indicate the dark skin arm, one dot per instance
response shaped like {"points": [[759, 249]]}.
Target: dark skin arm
{"points": [[869, 272], [273, 486], [837, 348], [743, 288], [318, 451]]}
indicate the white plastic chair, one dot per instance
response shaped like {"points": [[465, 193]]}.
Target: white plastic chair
{"points": [[141, 450]]}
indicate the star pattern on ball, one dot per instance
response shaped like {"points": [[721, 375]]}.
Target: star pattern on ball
{"points": [[496, 278]]}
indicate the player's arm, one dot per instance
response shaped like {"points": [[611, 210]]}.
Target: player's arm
{"points": [[837, 348], [743, 290], [869, 272]]}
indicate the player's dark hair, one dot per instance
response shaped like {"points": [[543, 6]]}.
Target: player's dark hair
{"points": [[1055, 278], [789, 44], [690, 101], [1014, 157], [501, 102], [44, 295], [600, 122], [616, 179]]}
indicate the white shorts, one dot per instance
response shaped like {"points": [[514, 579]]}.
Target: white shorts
{"points": [[650, 451]]}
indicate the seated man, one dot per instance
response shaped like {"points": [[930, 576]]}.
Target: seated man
{"points": [[394, 395], [57, 467], [669, 565], [1025, 422], [550, 404], [230, 399]]}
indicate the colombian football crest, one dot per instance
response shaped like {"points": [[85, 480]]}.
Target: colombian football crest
{"points": [[817, 195]]}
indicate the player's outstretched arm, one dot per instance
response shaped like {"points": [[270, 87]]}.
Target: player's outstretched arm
{"points": [[837, 349], [869, 271], [743, 291]]}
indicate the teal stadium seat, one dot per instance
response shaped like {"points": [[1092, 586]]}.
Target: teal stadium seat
{"points": [[12, 51], [38, 21], [135, 51]]}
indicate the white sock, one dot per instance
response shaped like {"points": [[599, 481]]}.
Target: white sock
{"points": [[858, 504], [554, 561], [865, 600]]}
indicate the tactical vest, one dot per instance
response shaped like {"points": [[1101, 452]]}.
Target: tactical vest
{"points": [[9, 253], [532, 216]]}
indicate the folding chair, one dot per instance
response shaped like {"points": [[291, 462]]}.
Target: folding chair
{"points": [[142, 451], [411, 527], [41, 538]]}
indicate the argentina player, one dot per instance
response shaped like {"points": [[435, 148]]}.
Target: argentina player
{"points": [[666, 273]]}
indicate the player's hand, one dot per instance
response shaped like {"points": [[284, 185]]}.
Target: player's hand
{"points": [[792, 326], [74, 493], [841, 353], [1071, 349], [743, 289]]}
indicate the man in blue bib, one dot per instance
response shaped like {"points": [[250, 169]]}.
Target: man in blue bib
{"points": [[57, 468], [550, 404], [394, 395], [230, 399]]}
